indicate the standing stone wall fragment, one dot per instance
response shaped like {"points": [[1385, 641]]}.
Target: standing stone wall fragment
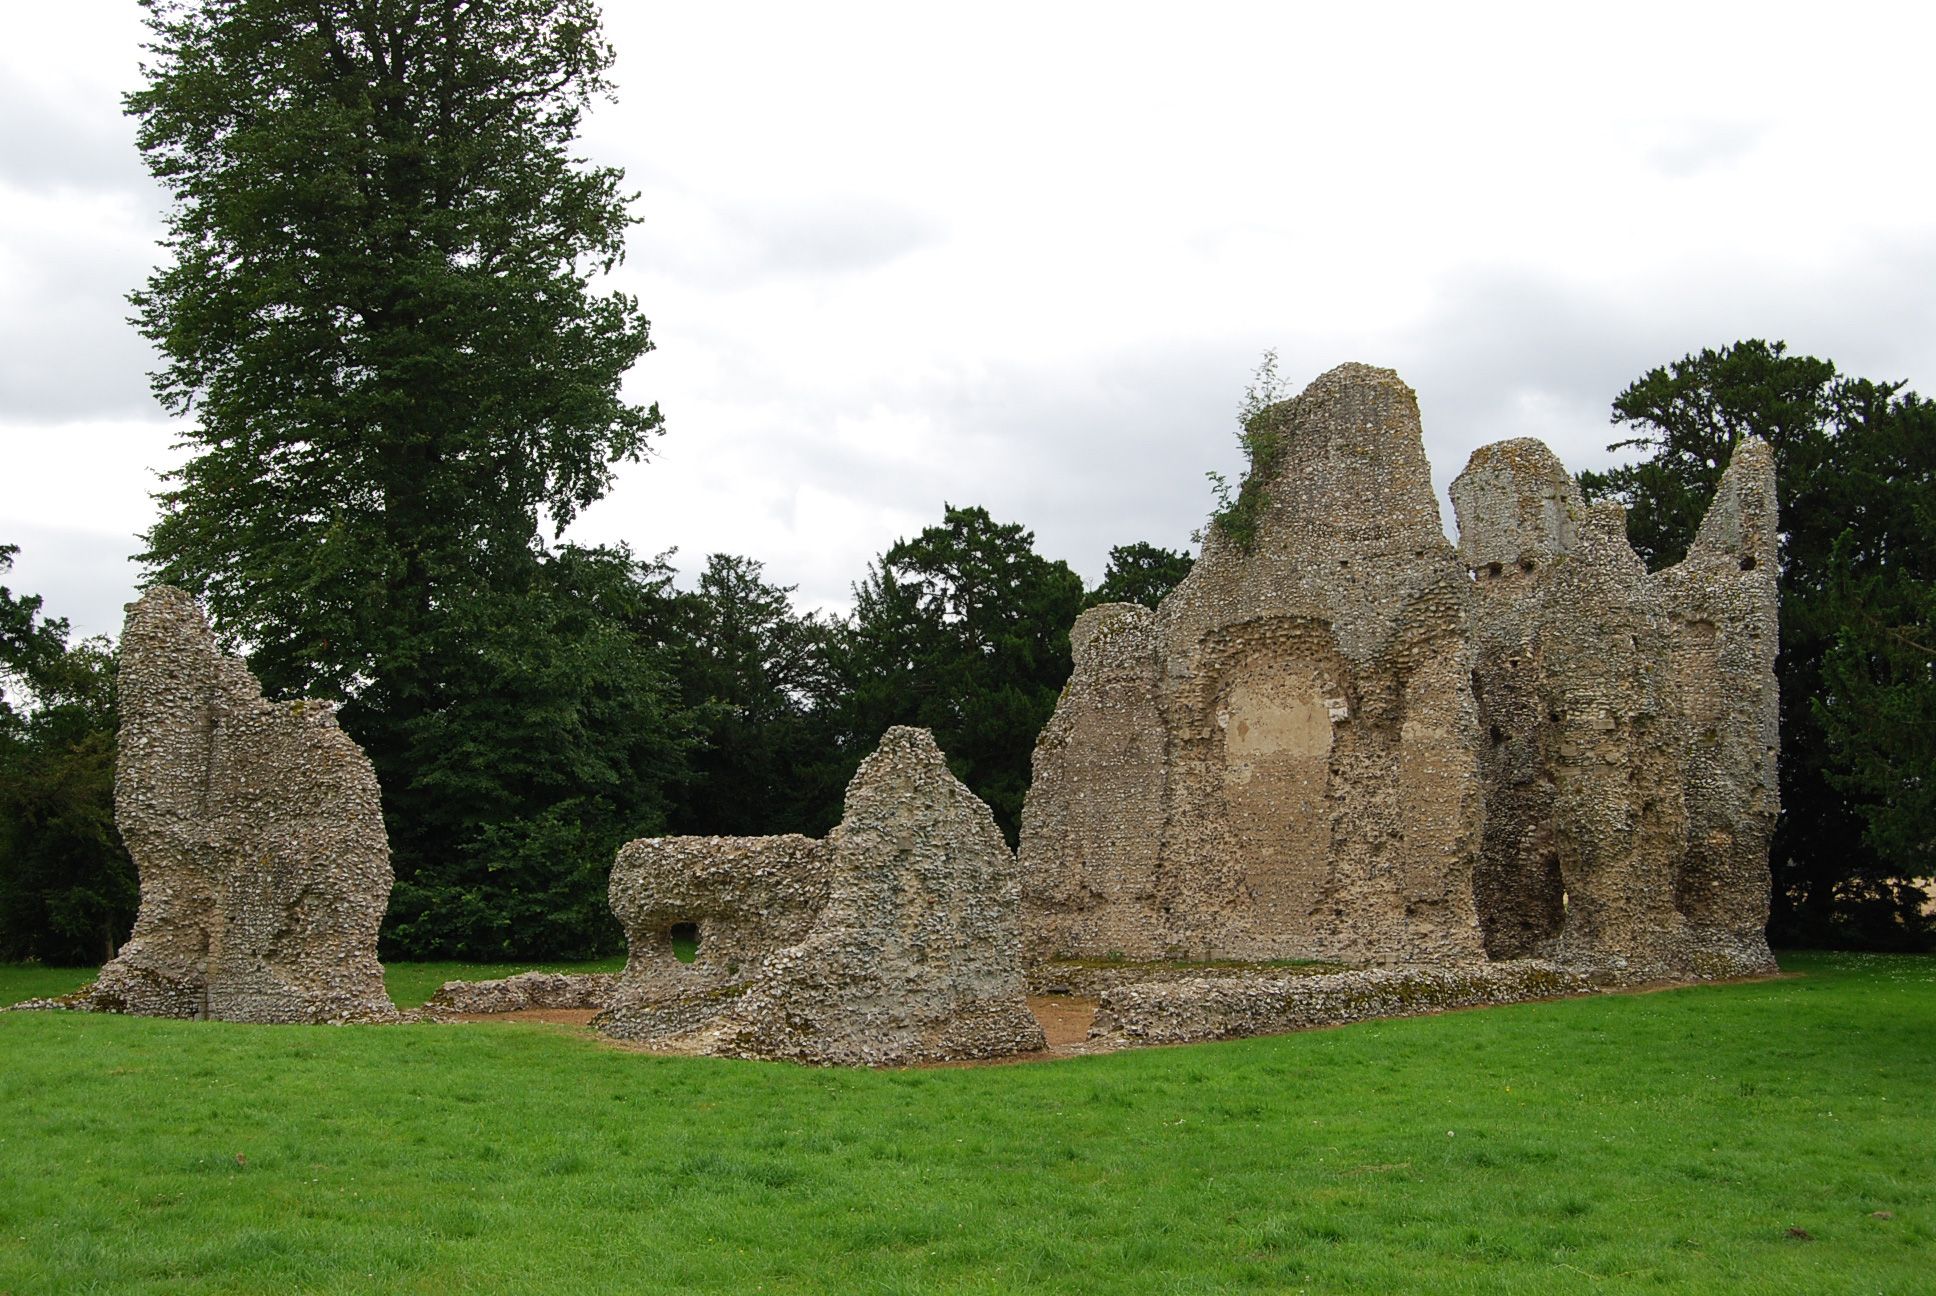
{"points": [[895, 939], [1348, 742], [258, 833], [1630, 722], [1282, 762], [1721, 611]]}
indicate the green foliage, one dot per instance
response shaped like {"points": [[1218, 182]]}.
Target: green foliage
{"points": [[1856, 470], [1261, 432], [553, 737], [29, 642], [68, 891], [963, 630], [378, 307], [1877, 704], [1620, 1143], [1140, 573], [755, 675]]}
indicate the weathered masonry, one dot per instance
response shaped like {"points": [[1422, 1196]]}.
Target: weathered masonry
{"points": [[259, 837], [1356, 743], [893, 939]]}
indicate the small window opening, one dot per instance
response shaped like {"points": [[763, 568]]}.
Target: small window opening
{"points": [[1747, 564], [685, 941], [1526, 565], [1493, 570]]}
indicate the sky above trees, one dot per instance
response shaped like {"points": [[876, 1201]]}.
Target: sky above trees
{"points": [[1026, 260]]}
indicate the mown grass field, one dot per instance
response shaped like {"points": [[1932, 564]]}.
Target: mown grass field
{"points": [[1723, 1139]]}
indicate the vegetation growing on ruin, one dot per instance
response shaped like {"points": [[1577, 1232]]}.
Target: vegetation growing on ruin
{"points": [[1767, 1137], [1261, 428]]}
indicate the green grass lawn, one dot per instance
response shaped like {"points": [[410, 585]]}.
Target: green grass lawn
{"points": [[1640, 1143]]}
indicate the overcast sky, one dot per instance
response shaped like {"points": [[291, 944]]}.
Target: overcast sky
{"points": [[1026, 256]]}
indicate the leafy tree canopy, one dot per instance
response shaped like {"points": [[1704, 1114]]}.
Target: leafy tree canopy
{"points": [[756, 676], [378, 309], [1140, 573], [963, 629]]}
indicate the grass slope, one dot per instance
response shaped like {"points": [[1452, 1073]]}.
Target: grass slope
{"points": [[1664, 1142]]}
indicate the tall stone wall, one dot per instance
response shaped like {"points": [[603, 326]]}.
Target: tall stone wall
{"points": [[258, 833], [1352, 743], [1630, 719], [1282, 762], [895, 939], [1721, 607]]}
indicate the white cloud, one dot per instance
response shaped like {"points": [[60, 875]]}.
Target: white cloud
{"points": [[1025, 256]]}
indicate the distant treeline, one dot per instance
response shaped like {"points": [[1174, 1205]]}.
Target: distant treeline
{"points": [[615, 704]]}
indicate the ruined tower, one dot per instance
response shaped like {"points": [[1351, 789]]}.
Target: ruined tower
{"points": [[258, 833], [1282, 761]]}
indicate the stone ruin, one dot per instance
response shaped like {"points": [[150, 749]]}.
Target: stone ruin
{"points": [[894, 939], [1348, 770], [259, 837], [1629, 722], [522, 992], [1356, 744]]}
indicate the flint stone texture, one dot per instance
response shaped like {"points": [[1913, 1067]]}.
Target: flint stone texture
{"points": [[1353, 744], [893, 940], [1210, 1008], [1282, 761], [1630, 720], [523, 992], [258, 833]]}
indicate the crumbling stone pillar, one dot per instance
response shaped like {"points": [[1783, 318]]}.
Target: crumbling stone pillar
{"points": [[258, 833], [895, 939], [1630, 719], [1721, 607], [1098, 794]]}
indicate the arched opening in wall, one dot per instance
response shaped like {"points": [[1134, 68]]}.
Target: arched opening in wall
{"points": [[685, 941]]}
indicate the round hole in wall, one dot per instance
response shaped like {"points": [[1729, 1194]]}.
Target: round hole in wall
{"points": [[685, 941], [1493, 570], [1747, 564]]}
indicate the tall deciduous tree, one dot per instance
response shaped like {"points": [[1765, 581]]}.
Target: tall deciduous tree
{"points": [[1856, 467], [965, 630], [379, 318]]}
